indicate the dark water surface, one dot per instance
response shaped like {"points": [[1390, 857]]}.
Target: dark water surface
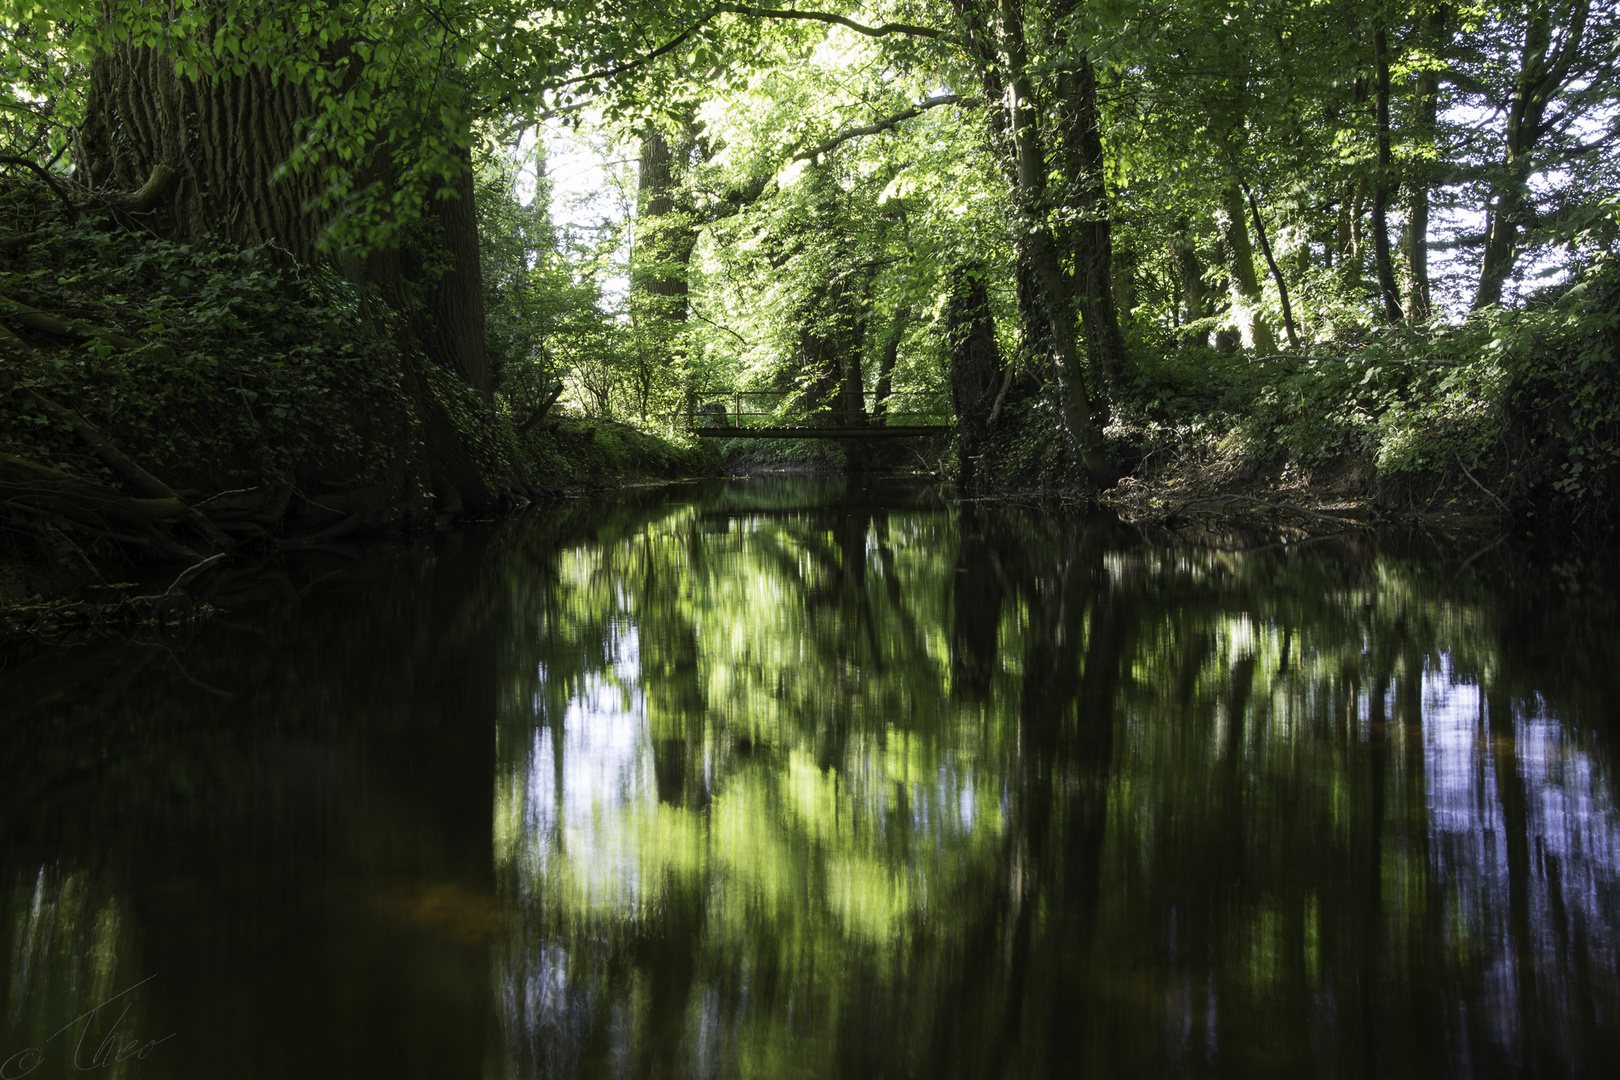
{"points": [[820, 778]]}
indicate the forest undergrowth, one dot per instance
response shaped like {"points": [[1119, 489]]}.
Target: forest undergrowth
{"points": [[1507, 421]]}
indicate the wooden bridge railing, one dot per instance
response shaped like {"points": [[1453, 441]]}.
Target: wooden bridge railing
{"points": [[759, 413]]}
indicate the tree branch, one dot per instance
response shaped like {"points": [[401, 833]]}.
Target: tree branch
{"points": [[830, 19], [669, 46], [885, 124], [540, 411], [680, 39], [745, 342], [50, 182]]}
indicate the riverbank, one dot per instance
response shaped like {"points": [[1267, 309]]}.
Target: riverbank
{"points": [[161, 404], [1509, 421], [59, 557]]}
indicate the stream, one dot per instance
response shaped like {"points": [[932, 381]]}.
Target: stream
{"points": [[824, 777]]}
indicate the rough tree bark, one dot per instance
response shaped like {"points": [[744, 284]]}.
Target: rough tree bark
{"points": [[220, 141]]}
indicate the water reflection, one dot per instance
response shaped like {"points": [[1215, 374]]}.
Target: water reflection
{"points": [[812, 785], [827, 778]]}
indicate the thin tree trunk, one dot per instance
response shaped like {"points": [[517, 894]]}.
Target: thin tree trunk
{"points": [[1385, 265], [1540, 72], [1080, 130], [1195, 295], [976, 365], [1352, 251], [1246, 293], [1276, 273], [1420, 177], [886, 365]]}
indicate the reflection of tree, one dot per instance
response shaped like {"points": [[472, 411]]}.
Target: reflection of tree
{"points": [[994, 793]]}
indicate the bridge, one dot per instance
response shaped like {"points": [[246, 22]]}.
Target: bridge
{"points": [[758, 414]]}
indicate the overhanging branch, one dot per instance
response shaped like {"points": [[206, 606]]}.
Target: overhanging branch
{"points": [[641, 61], [905, 29], [884, 124], [886, 30]]}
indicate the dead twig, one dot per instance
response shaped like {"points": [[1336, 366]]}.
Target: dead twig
{"points": [[1488, 492], [192, 571]]}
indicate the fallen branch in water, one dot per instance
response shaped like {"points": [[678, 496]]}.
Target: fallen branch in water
{"points": [[168, 616]]}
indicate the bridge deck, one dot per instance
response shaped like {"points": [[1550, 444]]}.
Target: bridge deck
{"points": [[894, 431]]}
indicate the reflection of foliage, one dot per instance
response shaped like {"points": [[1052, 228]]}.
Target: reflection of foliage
{"points": [[828, 788]]}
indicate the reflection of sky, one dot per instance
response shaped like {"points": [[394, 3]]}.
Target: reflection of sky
{"points": [[1500, 852], [594, 832], [578, 804], [69, 945], [1570, 832]]}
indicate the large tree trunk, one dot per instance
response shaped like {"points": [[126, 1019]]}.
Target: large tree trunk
{"points": [[222, 141], [666, 228], [455, 307], [1083, 414], [993, 32]]}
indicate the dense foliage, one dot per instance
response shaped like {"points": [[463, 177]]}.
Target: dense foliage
{"points": [[1269, 235]]}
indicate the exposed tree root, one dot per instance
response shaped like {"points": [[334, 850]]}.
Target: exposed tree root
{"points": [[56, 326], [169, 616], [1226, 500]]}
